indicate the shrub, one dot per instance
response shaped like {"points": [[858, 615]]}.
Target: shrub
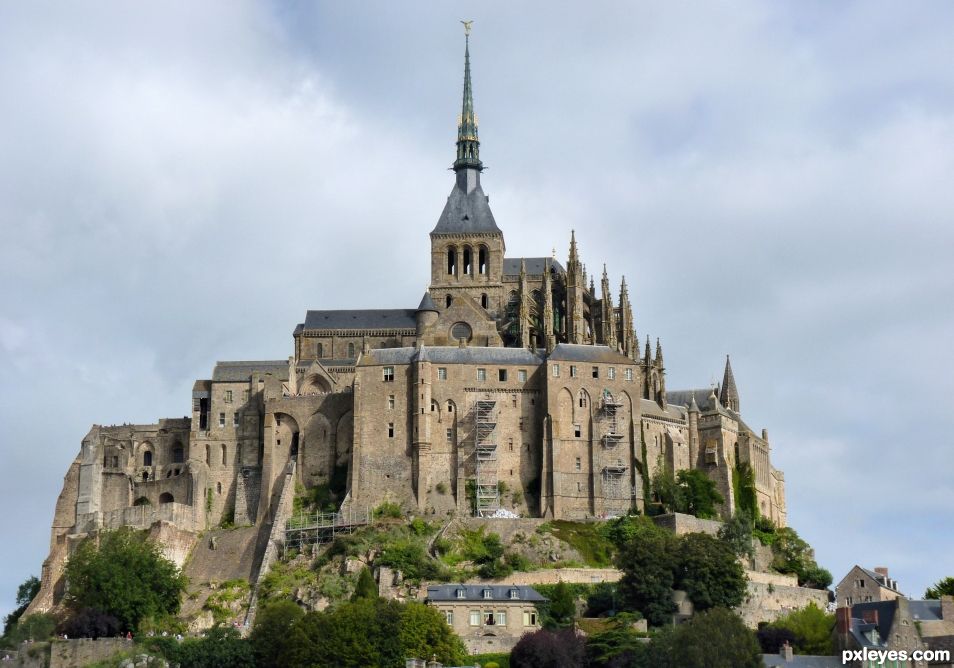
{"points": [[549, 649], [441, 488], [90, 623], [389, 509]]}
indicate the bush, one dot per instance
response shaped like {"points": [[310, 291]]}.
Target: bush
{"points": [[811, 627], [647, 564], [26, 592], [716, 638], [549, 649], [37, 627], [944, 587], [708, 571], [737, 534], [90, 623], [389, 509]]}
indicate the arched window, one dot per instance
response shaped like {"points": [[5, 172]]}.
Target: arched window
{"points": [[147, 458], [483, 300], [178, 455], [447, 301], [166, 497], [582, 399], [321, 350], [208, 455], [467, 265], [225, 454], [450, 406], [218, 487], [452, 261], [482, 260], [350, 350], [434, 406]]}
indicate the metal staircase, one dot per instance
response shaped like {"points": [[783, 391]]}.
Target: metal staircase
{"points": [[485, 451]]}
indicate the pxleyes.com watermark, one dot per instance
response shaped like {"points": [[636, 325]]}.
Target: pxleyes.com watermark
{"points": [[874, 657]]}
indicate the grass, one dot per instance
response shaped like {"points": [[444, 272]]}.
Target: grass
{"points": [[584, 537]]}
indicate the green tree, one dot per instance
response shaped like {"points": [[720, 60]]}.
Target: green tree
{"points": [[709, 572], [943, 587], [618, 645], [222, 647], [737, 534], [562, 607], [666, 491], [26, 592], [743, 489], [812, 628], [278, 637], [39, 626], [698, 492], [366, 586], [715, 638], [425, 633], [125, 576], [647, 563], [795, 556]]}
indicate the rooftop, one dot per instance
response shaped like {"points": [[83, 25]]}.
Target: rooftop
{"points": [[395, 318], [468, 592]]}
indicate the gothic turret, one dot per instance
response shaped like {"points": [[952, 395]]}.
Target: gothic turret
{"points": [[576, 323], [729, 396]]}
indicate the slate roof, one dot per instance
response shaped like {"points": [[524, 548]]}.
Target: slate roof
{"points": [[466, 212], [576, 352], [237, 372], [801, 661], [535, 265], [882, 580], [886, 611], [653, 409], [395, 318], [926, 611], [453, 355], [448, 592], [427, 304]]}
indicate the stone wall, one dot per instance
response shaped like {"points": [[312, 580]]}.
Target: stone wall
{"points": [[549, 576], [680, 524], [766, 601], [140, 517], [69, 653]]}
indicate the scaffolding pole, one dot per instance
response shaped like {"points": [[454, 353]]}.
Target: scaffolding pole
{"points": [[485, 451]]}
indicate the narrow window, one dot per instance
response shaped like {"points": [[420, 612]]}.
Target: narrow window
{"points": [[556, 370], [235, 419], [475, 617], [447, 301], [513, 400], [481, 374], [596, 372], [450, 435], [611, 373], [147, 458], [482, 260], [451, 262], [389, 374], [510, 444], [449, 617], [245, 396], [579, 487], [488, 593], [221, 419], [321, 351], [390, 430], [521, 424], [391, 402], [208, 455], [483, 300], [466, 264], [572, 371], [628, 374], [218, 488], [178, 455], [350, 350], [582, 400], [225, 454], [442, 373], [450, 406], [522, 375], [501, 375], [577, 430], [228, 396], [461, 593], [433, 406]]}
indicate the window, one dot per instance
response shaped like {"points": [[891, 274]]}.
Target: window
{"points": [[449, 617], [225, 454], [556, 370], [489, 617], [514, 594], [461, 593], [861, 583], [450, 406], [510, 444], [521, 425], [481, 375], [596, 372], [579, 487], [572, 371], [579, 464], [235, 419], [475, 617], [513, 400], [147, 458], [390, 430], [482, 260], [501, 618], [442, 373], [451, 262], [522, 375], [218, 488], [848, 601], [245, 396], [628, 374], [350, 350], [582, 399], [577, 431], [208, 454], [228, 396], [391, 402], [221, 419], [434, 406], [501, 375], [488, 593], [178, 455], [611, 373], [529, 617], [389, 374], [466, 265], [450, 435], [483, 301], [448, 300], [320, 351]]}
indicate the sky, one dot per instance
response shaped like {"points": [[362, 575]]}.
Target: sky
{"points": [[179, 182]]}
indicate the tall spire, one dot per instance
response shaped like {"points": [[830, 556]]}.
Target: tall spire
{"points": [[729, 396], [468, 145]]}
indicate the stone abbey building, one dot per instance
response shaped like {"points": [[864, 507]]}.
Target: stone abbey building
{"points": [[516, 383]]}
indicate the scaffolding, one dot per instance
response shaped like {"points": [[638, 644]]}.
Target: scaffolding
{"points": [[487, 497], [613, 481], [611, 434], [313, 528]]}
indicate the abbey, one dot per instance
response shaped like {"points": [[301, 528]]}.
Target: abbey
{"points": [[516, 384]]}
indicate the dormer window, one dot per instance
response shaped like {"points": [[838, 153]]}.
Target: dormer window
{"points": [[488, 593], [514, 594], [461, 593]]}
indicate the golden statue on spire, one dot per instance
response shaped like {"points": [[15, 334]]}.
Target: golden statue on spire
{"points": [[467, 25]]}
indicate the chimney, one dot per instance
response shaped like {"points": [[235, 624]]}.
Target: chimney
{"points": [[882, 570], [947, 608], [843, 620], [787, 653]]}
